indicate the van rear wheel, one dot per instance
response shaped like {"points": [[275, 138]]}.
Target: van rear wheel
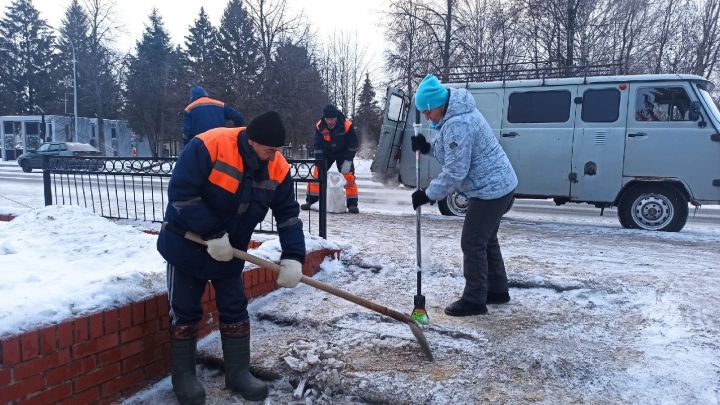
{"points": [[653, 208], [456, 204]]}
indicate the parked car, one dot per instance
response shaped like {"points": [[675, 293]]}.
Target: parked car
{"points": [[647, 144], [33, 159]]}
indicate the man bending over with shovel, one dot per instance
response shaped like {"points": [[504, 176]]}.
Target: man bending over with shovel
{"points": [[222, 186]]}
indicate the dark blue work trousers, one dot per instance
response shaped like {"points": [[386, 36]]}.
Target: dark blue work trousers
{"points": [[185, 293]]}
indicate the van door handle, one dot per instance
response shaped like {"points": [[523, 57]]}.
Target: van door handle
{"points": [[510, 135], [636, 134]]}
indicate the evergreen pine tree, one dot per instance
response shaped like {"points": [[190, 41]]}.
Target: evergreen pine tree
{"points": [[294, 89], [152, 96], [29, 75], [200, 55], [368, 120], [238, 58]]}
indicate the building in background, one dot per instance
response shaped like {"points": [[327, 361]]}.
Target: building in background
{"points": [[28, 132]]}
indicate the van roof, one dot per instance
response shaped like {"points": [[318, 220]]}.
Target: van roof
{"points": [[583, 80]]}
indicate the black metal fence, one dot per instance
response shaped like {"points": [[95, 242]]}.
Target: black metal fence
{"points": [[136, 188]]}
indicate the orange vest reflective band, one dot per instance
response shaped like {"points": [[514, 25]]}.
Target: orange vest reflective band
{"points": [[326, 132], [222, 146], [278, 168], [228, 167], [203, 101]]}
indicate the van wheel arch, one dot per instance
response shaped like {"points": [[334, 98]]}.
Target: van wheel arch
{"points": [[655, 206]]}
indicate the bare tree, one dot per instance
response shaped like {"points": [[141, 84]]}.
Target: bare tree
{"points": [[708, 44], [344, 64], [404, 58], [275, 26], [439, 24], [488, 36], [104, 63]]}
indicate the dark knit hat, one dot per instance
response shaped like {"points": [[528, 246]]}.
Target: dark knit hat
{"points": [[330, 111], [267, 129]]}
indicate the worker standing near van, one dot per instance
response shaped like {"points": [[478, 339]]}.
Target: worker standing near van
{"points": [[204, 113], [335, 142], [474, 163], [222, 186]]}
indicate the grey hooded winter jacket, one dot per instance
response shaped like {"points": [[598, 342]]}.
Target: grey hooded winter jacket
{"points": [[473, 162]]}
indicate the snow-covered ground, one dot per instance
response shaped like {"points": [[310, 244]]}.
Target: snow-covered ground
{"points": [[62, 261], [599, 314]]}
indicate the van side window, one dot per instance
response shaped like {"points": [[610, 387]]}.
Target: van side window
{"points": [[539, 106], [662, 104], [601, 105], [395, 108]]}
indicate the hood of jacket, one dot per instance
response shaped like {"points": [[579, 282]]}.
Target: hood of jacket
{"points": [[460, 102], [196, 92]]}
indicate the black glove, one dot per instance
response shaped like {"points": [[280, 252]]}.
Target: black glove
{"points": [[419, 198], [419, 143]]}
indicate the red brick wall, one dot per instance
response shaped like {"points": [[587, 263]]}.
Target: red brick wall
{"points": [[102, 356]]}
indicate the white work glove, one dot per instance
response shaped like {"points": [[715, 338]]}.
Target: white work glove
{"points": [[220, 249], [345, 169], [290, 273]]}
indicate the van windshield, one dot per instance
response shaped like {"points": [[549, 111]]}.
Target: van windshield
{"points": [[711, 104]]}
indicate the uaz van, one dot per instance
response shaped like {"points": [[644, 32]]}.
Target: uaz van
{"points": [[646, 144]]}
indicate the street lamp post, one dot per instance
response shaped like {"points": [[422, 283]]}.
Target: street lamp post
{"points": [[74, 90]]}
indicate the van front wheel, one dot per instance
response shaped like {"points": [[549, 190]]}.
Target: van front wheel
{"points": [[653, 208], [455, 204]]}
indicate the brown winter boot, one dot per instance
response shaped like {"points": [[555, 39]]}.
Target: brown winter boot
{"points": [[235, 338], [183, 341]]}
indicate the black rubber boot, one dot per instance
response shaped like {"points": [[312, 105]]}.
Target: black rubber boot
{"points": [[306, 206], [465, 308], [236, 353], [186, 386], [353, 210], [498, 298]]}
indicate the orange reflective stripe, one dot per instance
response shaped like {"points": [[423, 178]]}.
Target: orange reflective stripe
{"points": [[314, 188], [222, 146], [203, 101], [278, 168], [351, 188], [224, 181], [348, 123]]}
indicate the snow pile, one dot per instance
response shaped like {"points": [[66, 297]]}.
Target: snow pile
{"points": [[63, 261], [271, 249]]}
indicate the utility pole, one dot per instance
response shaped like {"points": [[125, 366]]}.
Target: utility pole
{"points": [[74, 90]]}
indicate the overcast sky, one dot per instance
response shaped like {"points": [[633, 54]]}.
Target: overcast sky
{"points": [[326, 16]]}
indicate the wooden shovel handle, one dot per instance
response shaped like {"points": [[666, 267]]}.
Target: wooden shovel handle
{"points": [[312, 282]]}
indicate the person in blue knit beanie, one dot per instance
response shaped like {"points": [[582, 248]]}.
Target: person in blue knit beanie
{"points": [[431, 94], [473, 163]]}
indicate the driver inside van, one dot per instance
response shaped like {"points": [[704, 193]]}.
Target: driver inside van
{"points": [[647, 111]]}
